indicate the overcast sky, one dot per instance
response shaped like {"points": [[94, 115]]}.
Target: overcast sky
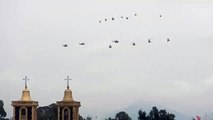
{"points": [[176, 74]]}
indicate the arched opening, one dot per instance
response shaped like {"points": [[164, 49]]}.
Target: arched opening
{"points": [[66, 113], [23, 113]]}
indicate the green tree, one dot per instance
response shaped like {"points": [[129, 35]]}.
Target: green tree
{"points": [[47, 112], [155, 114], [3, 114], [53, 111], [142, 115], [122, 116], [110, 118], [163, 115], [88, 118], [170, 116], [80, 117]]}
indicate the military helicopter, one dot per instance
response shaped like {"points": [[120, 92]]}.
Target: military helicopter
{"points": [[133, 44], [65, 45], [115, 41], [149, 40], [81, 43], [168, 40]]}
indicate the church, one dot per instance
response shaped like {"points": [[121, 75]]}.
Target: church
{"points": [[26, 108]]}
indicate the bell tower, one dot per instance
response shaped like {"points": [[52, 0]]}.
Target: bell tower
{"points": [[68, 109], [25, 109]]}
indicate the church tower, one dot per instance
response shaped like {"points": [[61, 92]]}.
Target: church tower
{"points": [[25, 109], [68, 109]]}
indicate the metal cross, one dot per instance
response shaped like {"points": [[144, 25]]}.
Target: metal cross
{"points": [[68, 79], [25, 79]]}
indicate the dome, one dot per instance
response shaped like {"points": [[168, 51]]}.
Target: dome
{"points": [[25, 95], [68, 95]]}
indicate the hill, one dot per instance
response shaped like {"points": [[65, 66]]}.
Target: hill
{"points": [[132, 110]]}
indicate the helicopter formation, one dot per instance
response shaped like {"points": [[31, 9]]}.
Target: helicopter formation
{"points": [[122, 17], [100, 21], [116, 41]]}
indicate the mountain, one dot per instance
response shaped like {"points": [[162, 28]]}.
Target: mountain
{"points": [[132, 111], [208, 116]]}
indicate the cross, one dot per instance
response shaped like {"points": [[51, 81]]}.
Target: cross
{"points": [[25, 79], [68, 79]]}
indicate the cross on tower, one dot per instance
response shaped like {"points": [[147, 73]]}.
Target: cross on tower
{"points": [[25, 79], [67, 79]]}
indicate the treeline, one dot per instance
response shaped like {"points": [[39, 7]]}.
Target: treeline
{"points": [[154, 114], [50, 113], [47, 112]]}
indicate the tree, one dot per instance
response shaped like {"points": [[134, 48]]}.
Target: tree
{"points": [[47, 112], [122, 116], [142, 115], [163, 114], [53, 111], [170, 116], [110, 118], [88, 118], [3, 114], [80, 117], [155, 114]]}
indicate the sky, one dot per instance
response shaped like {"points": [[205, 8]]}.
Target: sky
{"points": [[176, 74]]}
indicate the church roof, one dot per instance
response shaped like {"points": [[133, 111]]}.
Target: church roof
{"points": [[26, 95]]}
